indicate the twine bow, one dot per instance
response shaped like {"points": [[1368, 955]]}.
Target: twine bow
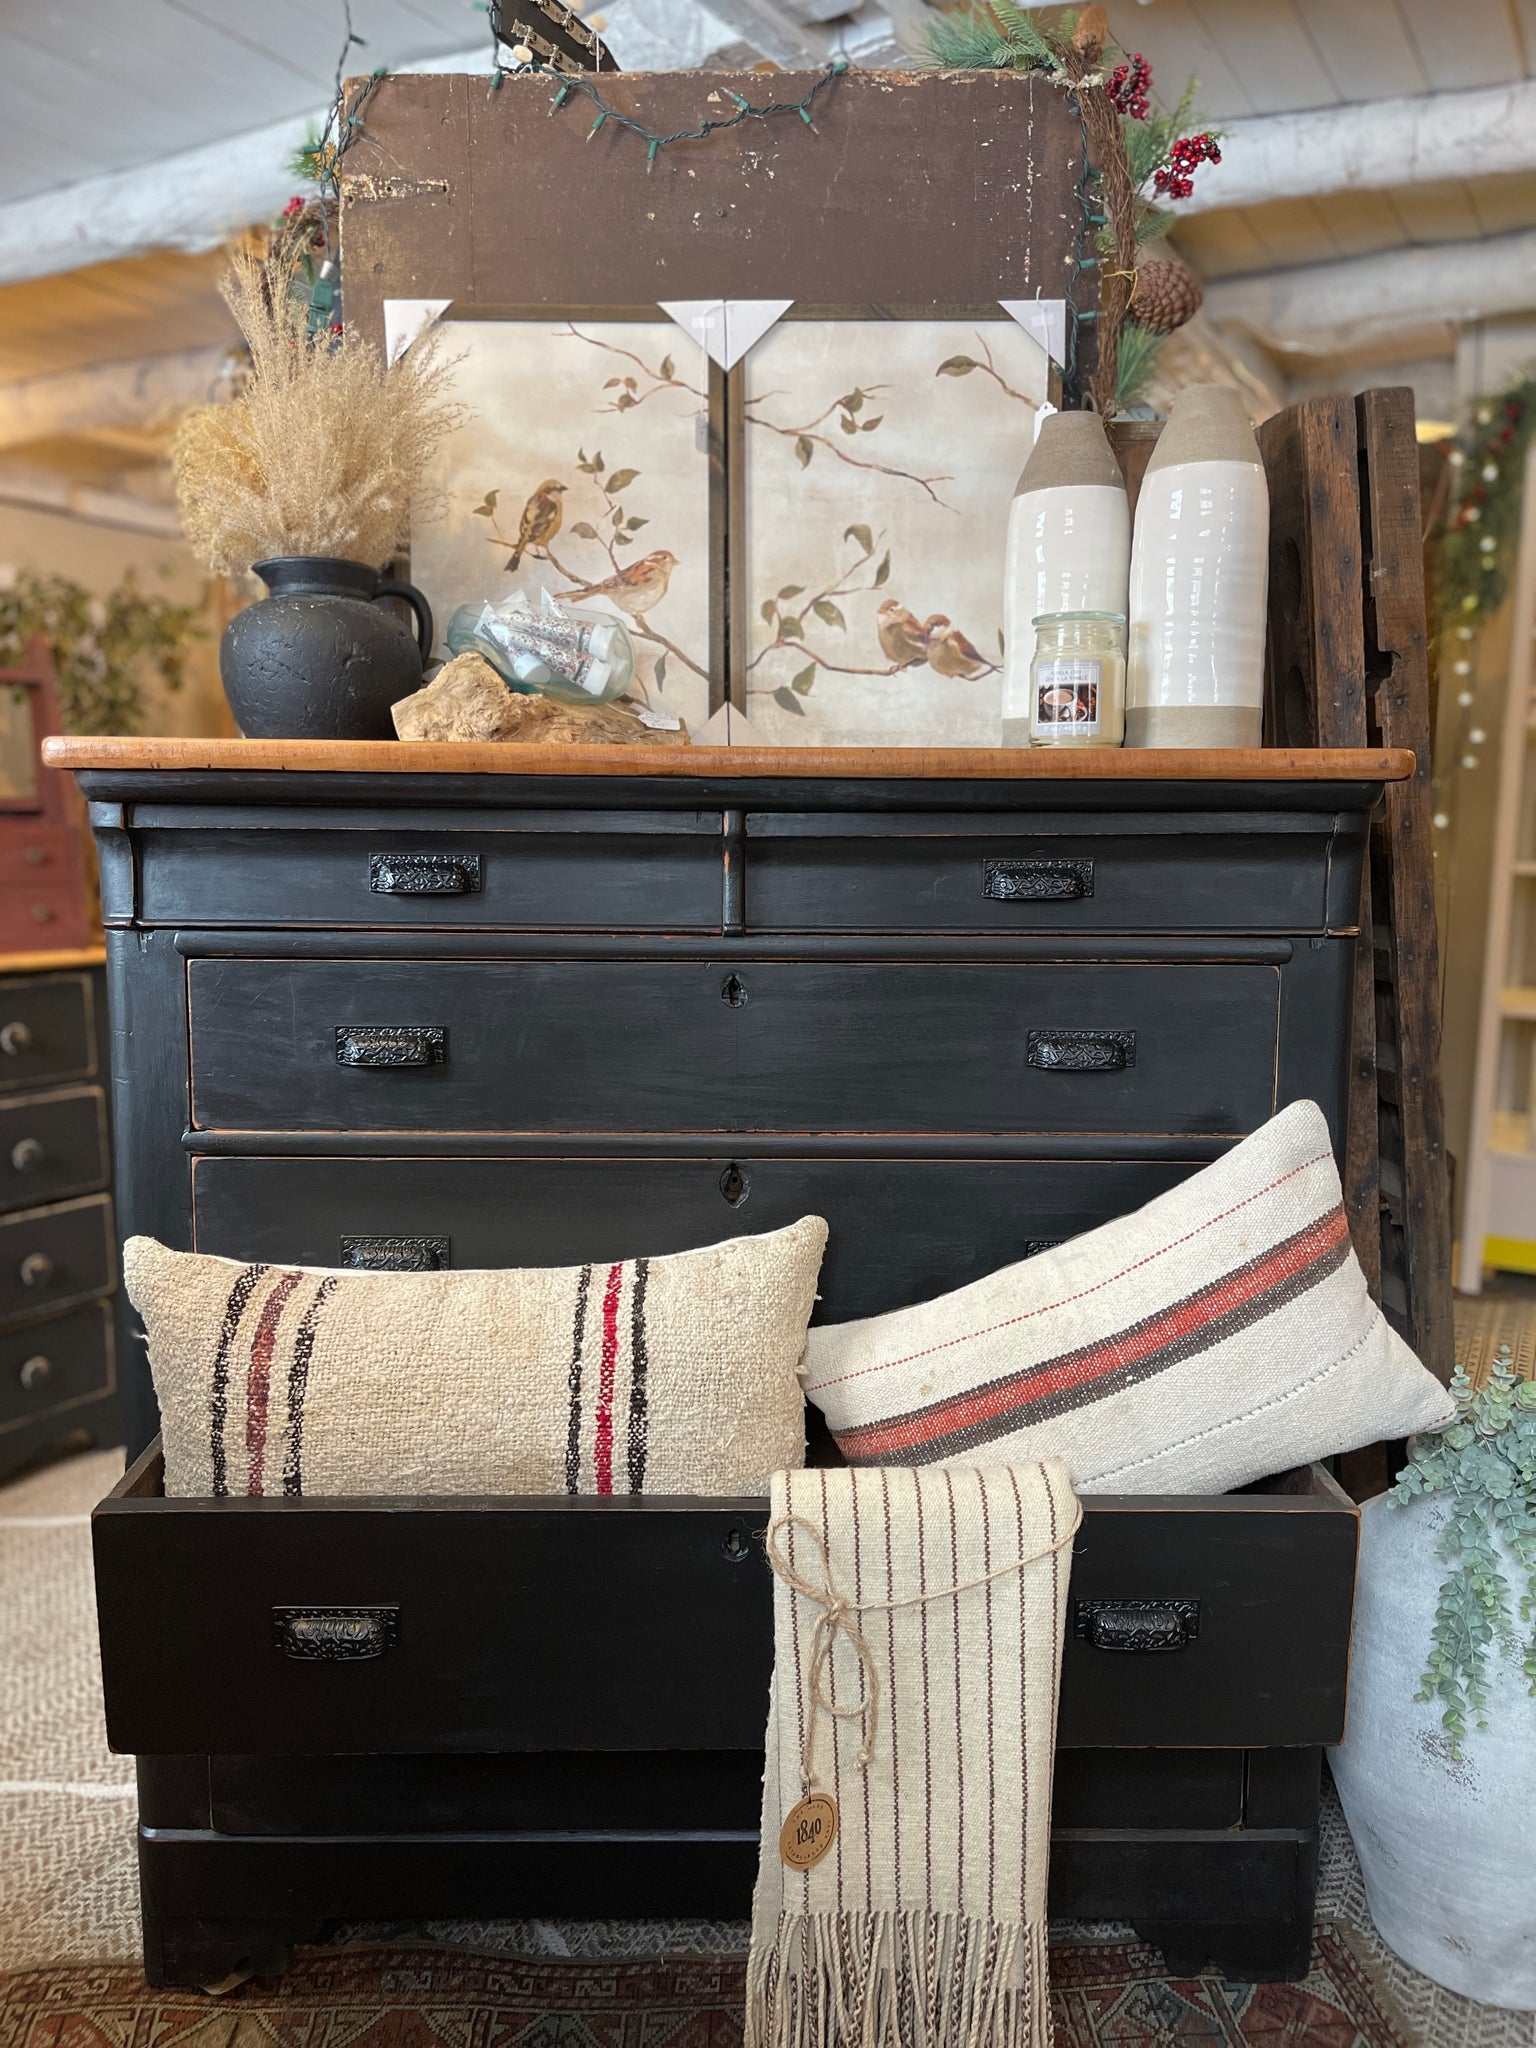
{"points": [[839, 1613]]}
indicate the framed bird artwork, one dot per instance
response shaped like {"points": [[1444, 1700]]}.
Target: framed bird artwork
{"points": [[588, 466], [873, 455]]}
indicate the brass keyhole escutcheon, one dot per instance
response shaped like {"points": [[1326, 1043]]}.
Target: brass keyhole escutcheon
{"points": [[733, 990], [734, 1185]]}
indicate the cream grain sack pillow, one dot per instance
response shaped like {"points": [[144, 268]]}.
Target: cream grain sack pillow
{"points": [[1222, 1333], [669, 1375]]}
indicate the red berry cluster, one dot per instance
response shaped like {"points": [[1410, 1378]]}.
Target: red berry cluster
{"points": [[294, 206], [1129, 87], [1176, 180]]}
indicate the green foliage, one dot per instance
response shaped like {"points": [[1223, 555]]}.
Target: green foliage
{"points": [[100, 646], [1488, 467], [1136, 361], [1000, 37], [1484, 1463]]}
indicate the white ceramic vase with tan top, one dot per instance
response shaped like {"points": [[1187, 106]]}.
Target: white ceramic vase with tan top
{"points": [[1069, 546], [1199, 581]]}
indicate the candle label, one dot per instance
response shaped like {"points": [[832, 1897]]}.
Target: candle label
{"points": [[1067, 695]]}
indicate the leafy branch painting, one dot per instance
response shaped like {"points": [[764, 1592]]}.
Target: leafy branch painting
{"points": [[905, 641]]}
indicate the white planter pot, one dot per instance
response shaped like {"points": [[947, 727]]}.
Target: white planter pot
{"points": [[1447, 1848]]}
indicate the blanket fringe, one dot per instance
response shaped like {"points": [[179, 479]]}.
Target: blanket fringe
{"points": [[898, 1980]]}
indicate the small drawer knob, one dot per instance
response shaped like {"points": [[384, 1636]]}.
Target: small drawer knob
{"points": [[28, 1154], [15, 1037], [36, 1269], [34, 856], [41, 913], [35, 1372]]}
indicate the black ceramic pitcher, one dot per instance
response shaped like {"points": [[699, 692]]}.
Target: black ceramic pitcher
{"points": [[320, 658]]}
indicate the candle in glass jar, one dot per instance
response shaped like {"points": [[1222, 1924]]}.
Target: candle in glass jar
{"points": [[1077, 680]]}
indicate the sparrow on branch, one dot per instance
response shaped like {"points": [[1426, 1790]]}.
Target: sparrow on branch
{"points": [[636, 588], [950, 653], [902, 639], [540, 521]]}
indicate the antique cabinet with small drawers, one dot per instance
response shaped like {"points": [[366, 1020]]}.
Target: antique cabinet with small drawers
{"points": [[58, 1244], [416, 1006]]}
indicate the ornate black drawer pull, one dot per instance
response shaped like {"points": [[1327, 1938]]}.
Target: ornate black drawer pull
{"points": [[396, 1254], [424, 874], [1037, 881], [1139, 1625], [391, 1045], [335, 1634], [1081, 1052]]}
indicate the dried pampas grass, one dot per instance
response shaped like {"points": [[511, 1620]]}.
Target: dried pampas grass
{"points": [[320, 453]]}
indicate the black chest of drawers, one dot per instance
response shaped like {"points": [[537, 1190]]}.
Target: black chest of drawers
{"points": [[961, 1006], [58, 1250]]}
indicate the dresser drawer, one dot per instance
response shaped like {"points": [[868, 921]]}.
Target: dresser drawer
{"points": [[52, 1257], [863, 872], [51, 1145], [46, 1368], [627, 1045], [457, 1602], [605, 871], [47, 1030], [901, 1231]]}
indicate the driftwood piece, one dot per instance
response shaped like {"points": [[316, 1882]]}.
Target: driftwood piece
{"points": [[1315, 697], [1416, 1250], [468, 700]]}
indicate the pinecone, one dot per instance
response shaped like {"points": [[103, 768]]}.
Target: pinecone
{"points": [[1167, 294]]}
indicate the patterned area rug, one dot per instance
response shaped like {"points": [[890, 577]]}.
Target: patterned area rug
{"points": [[1106, 1995]]}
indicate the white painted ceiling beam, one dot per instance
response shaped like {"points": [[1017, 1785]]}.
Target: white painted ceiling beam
{"points": [[1371, 146], [1342, 308], [144, 392], [38, 490]]}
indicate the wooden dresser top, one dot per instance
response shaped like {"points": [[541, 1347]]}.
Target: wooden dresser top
{"points": [[952, 764]]}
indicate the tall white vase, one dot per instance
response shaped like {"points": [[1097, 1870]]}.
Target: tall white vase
{"points": [[1069, 546], [1199, 581], [1447, 1847]]}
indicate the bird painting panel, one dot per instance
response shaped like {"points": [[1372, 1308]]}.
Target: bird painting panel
{"points": [[881, 458], [583, 470]]}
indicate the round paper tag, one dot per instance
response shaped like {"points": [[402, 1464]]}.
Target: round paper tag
{"points": [[809, 1830]]}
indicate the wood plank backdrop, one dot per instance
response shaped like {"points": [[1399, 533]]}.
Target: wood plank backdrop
{"points": [[916, 188]]}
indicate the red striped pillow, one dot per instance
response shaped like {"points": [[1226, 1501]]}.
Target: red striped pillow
{"points": [[1222, 1333], [672, 1375]]}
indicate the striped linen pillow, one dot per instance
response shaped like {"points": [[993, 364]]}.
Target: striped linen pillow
{"points": [[1220, 1334], [673, 1375]]}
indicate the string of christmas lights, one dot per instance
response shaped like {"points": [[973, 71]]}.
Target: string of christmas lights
{"points": [[569, 83]]}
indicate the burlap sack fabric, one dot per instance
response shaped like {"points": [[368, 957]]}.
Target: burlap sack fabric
{"points": [[918, 1619], [672, 1375], [1219, 1334]]}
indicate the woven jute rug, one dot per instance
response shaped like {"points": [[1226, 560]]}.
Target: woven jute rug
{"points": [[1113, 1995]]}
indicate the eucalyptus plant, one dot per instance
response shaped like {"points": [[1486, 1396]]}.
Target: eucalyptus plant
{"points": [[1484, 1464]]}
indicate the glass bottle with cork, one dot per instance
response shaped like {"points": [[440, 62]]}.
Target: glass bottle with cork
{"points": [[1077, 680]]}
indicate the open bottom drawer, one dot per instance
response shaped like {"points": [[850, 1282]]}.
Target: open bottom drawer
{"points": [[456, 1624]]}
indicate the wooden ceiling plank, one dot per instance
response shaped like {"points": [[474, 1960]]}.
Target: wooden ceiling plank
{"points": [[1436, 213], [1366, 48], [1271, 54], [1177, 46], [1221, 244], [1363, 222], [1471, 43], [1291, 232], [1503, 204]]}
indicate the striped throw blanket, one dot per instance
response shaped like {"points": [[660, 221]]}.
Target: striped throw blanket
{"points": [[918, 1618]]}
